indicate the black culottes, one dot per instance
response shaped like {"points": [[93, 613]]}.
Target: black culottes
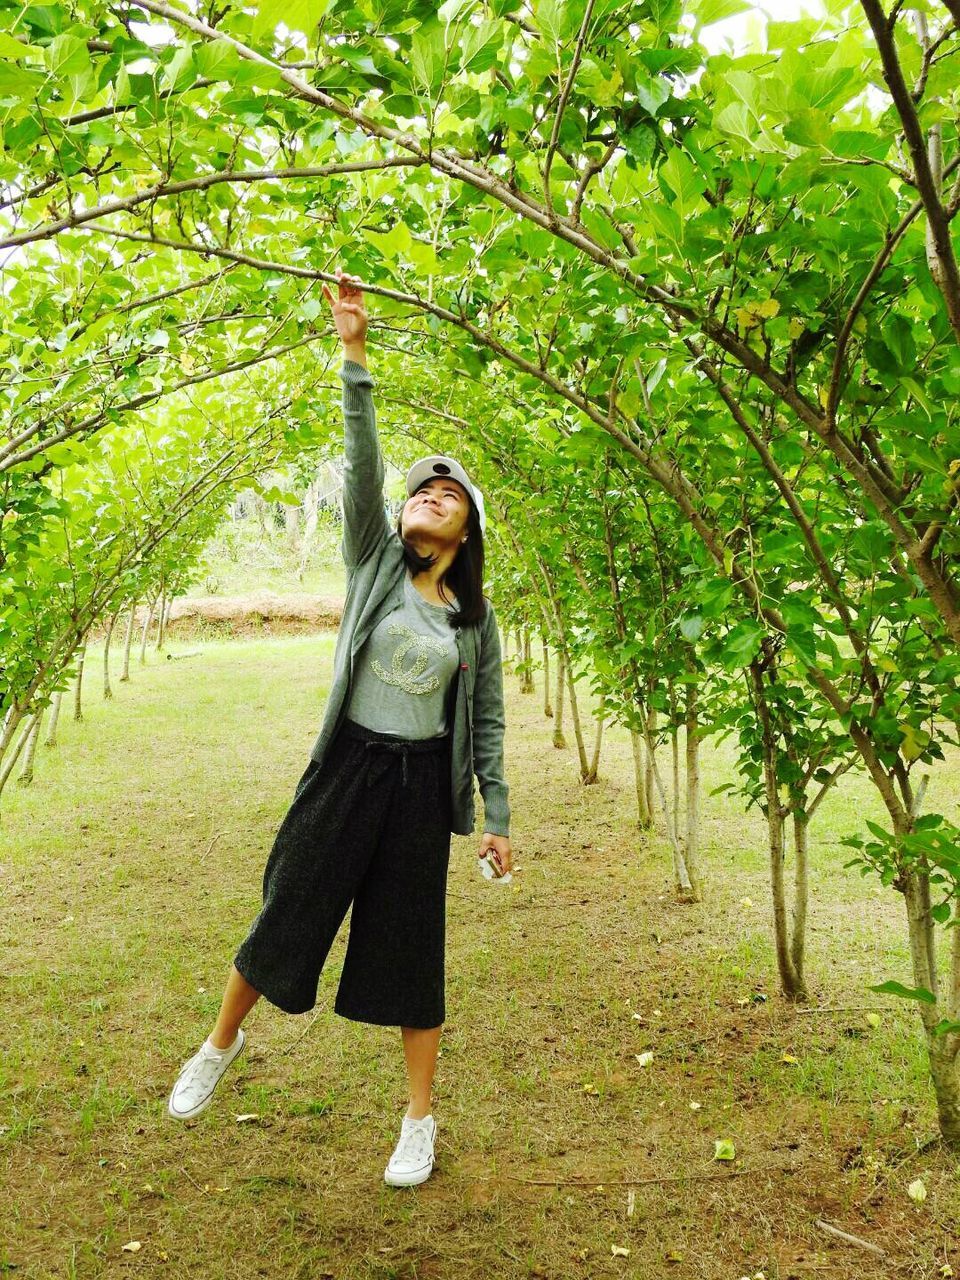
{"points": [[371, 826]]}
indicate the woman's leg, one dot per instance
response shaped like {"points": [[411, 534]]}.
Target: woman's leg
{"points": [[420, 1045], [238, 999]]}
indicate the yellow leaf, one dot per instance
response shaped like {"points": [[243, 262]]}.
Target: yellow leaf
{"points": [[790, 1059], [769, 308], [619, 1251], [874, 1020], [954, 466], [914, 741], [917, 1191], [746, 319], [133, 1246], [796, 327]]}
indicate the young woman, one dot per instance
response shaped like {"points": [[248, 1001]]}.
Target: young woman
{"points": [[415, 711]]}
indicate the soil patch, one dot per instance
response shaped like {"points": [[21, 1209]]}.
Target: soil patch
{"points": [[259, 613]]}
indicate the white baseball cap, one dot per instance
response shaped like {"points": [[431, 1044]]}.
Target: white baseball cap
{"points": [[440, 465]]}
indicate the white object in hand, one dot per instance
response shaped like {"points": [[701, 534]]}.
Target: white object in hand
{"points": [[489, 871]]}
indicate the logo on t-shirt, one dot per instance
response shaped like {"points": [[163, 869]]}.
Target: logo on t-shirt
{"points": [[407, 678]]}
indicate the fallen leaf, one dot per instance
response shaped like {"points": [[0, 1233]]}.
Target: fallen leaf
{"points": [[789, 1059], [619, 1251], [723, 1149], [644, 1059], [917, 1191], [132, 1246], [247, 1115], [874, 1020], [695, 1106]]}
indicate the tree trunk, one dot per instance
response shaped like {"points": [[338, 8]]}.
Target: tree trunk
{"points": [[558, 737], [692, 841], [527, 685], [78, 683], [311, 503], [575, 717], [684, 885], [51, 738], [10, 723], [674, 754], [791, 980], [161, 620], [25, 776], [107, 691], [941, 1049], [649, 767], [547, 709], [595, 762], [125, 674], [801, 824], [146, 627], [14, 754], [644, 820]]}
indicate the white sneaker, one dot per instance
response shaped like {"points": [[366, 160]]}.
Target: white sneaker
{"points": [[412, 1159], [199, 1076]]}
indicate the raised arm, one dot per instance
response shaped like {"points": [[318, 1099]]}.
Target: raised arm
{"points": [[364, 518]]}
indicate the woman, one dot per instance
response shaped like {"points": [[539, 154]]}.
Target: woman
{"points": [[415, 710]]}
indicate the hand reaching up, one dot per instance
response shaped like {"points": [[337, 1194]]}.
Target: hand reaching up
{"points": [[349, 314]]}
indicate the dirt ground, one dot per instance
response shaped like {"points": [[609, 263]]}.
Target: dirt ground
{"points": [[129, 872]]}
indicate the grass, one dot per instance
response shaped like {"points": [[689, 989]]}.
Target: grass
{"points": [[130, 870]]}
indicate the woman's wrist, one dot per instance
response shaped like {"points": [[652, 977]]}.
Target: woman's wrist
{"points": [[356, 351]]}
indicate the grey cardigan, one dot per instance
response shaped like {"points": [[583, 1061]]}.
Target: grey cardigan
{"points": [[373, 555]]}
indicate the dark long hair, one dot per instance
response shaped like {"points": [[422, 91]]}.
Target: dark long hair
{"points": [[464, 577]]}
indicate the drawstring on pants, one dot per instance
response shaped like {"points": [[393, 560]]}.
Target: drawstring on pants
{"points": [[389, 746], [394, 748]]}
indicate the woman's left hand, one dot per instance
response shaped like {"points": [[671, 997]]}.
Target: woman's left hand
{"points": [[501, 850]]}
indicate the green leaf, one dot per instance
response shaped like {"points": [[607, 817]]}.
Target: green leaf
{"points": [[706, 12], [905, 993], [296, 15], [16, 49], [685, 181], [67, 55], [691, 627], [427, 57], [724, 1149]]}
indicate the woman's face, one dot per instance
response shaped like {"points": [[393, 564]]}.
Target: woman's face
{"points": [[440, 507]]}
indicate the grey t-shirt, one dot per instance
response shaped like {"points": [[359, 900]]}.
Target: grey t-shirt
{"points": [[403, 670]]}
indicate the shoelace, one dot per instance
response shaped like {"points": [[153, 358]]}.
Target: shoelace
{"points": [[414, 1144], [194, 1067]]}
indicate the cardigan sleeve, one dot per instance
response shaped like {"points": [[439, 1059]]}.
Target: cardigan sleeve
{"points": [[364, 517], [488, 727]]}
